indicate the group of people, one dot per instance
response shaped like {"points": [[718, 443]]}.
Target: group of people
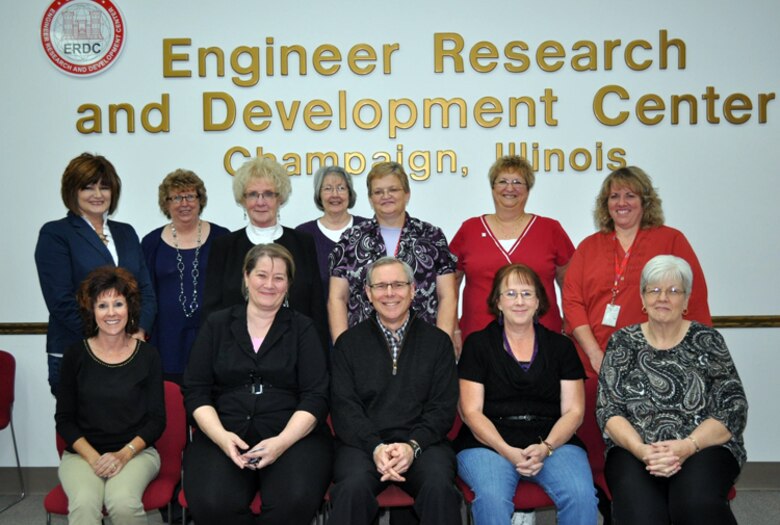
{"points": [[270, 330]]}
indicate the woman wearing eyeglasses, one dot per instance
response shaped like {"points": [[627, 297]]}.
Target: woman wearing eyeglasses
{"points": [[177, 259], [672, 408], [261, 186], [333, 195], [509, 235], [391, 232], [522, 400]]}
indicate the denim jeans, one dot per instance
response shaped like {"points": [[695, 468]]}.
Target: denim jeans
{"points": [[565, 477]]}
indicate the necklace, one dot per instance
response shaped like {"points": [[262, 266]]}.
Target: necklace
{"points": [[190, 310]]}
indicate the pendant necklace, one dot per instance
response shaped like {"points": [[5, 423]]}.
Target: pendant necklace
{"points": [[190, 310]]}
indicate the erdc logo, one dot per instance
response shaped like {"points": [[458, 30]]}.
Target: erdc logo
{"points": [[82, 37]]}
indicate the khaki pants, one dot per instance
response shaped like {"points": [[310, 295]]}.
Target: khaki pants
{"points": [[121, 494]]}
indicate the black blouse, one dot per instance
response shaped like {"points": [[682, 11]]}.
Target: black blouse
{"points": [[511, 391]]}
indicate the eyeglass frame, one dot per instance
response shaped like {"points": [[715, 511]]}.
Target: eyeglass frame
{"points": [[265, 195], [396, 286], [190, 197]]}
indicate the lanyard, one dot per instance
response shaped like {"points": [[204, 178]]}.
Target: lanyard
{"points": [[620, 266]]}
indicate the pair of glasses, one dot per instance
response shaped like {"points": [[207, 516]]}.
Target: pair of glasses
{"points": [[395, 286], [191, 197], [670, 292], [389, 191], [503, 183], [334, 189], [266, 195], [512, 295]]}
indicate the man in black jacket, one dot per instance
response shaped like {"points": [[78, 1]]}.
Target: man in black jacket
{"points": [[394, 392]]}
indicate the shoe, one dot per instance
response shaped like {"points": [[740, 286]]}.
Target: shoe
{"points": [[524, 518]]}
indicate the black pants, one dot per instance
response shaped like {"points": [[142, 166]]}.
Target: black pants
{"points": [[291, 489], [696, 494], [430, 481]]}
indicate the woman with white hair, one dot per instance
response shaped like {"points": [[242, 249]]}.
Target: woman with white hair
{"points": [[672, 409], [261, 186]]}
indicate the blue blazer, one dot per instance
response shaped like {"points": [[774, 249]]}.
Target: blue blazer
{"points": [[67, 250]]}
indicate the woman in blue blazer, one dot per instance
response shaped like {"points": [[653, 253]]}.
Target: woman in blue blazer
{"points": [[68, 249]]}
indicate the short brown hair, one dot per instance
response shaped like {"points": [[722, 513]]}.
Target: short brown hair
{"points": [[89, 169], [525, 274], [180, 180], [382, 169], [272, 250], [511, 164], [102, 280], [640, 183]]}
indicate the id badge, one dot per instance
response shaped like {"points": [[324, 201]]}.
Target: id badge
{"points": [[611, 315]]}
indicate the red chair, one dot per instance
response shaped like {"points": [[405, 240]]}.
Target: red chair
{"points": [[7, 384], [159, 493]]}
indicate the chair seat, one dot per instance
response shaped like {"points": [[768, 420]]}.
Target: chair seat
{"points": [[528, 496], [394, 496], [156, 496]]}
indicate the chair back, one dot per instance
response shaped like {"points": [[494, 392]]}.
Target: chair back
{"points": [[590, 434], [7, 385], [172, 441]]}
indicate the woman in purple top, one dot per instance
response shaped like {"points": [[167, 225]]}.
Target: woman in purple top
{"points": [[176, 255], [335, 196]]}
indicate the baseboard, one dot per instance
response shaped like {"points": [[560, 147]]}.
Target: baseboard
{"points": [[40, 480]]}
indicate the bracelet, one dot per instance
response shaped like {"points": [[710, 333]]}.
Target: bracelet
{"points": [[132, 449], [695, 443], [550, 448]]}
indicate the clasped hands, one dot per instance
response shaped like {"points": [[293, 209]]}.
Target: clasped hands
{"points": [[528, 461], [110, 464], [665, 458], [392, 460], [261, 455]]}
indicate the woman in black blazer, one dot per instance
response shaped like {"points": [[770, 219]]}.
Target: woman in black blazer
{"points": [[69, 248]]}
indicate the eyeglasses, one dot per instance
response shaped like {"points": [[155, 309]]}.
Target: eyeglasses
{"points": [[503, 183], [395, 286], [670, 292], [334, 189], [266, 195], [512, 295], [190, 197], [389, 191]]}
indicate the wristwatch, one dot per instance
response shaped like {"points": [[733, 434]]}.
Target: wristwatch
{"points": [[416, 449]]}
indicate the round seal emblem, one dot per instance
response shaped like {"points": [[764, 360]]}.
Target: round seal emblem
{"points": [[82, 37]]}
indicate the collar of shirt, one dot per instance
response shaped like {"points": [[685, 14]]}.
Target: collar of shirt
{"points": [[394, 337]]}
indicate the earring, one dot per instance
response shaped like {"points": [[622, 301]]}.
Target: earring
{"points": [[286, 303], [244, 213]]}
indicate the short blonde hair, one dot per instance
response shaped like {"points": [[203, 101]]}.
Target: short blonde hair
{"points": [[511, 164], [640, 183], [382, 169], [261, 168]]}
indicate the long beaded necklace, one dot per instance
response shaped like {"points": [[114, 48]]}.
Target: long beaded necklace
{"points": [[190, 310]]}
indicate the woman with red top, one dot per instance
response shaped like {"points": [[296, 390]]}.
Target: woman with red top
{"points": [[510, 235], [599, 294]]}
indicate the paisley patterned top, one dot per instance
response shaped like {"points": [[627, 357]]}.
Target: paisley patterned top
{"points": [[422, 246], [666, 394]]}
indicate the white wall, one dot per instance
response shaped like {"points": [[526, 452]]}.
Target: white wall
{"points": [[718, 181]]}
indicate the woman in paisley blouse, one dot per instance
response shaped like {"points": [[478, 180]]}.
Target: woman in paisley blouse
{"points": [[672, 409]]}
